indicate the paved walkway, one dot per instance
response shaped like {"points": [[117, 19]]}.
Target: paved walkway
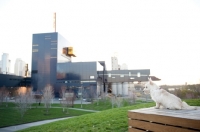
{"points": [[23, 126], [56, 101], [84, 110], [27, 125]]}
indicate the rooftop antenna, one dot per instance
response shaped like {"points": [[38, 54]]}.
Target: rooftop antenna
{"points": [[54, 21]]}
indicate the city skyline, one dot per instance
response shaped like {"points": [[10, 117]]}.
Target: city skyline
{"points": [[162, 36], [18, 67]]}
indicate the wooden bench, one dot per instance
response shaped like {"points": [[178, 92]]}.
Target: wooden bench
{"points": [[164, 120]]}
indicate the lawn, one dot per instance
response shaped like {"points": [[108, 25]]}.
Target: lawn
{"points": [[112, 120], [104, 105], [10, 116]]}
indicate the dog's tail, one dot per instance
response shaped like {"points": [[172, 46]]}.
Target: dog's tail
{"points": [[186, 106]]}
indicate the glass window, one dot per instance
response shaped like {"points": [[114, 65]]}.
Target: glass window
{"points": [[35, 50], [138, 74], [109, 74], [129, 73], [91, 77]]}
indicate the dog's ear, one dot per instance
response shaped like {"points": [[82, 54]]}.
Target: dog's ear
{"points": [[150, 81], [149, 78]]}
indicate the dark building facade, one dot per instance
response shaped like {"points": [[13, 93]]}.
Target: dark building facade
{"points": [[46, 52], [51, 65], [76, 75], [11, 81]]}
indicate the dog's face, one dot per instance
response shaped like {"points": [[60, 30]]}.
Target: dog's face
{"points": [[146, 89], [148, 86]]}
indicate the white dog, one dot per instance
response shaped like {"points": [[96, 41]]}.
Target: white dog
{"points": [[164, 98]]}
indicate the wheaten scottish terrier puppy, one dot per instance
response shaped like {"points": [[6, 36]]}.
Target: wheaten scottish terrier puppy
{"points": [[164, 98]]}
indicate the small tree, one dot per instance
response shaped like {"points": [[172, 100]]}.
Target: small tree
{"points": [[68, 100], [30, 97], [70, 97], [112, 99], [132, 97], [23, 100], [62, 96], [118, 101], [48, 95], [91, 94], [38, 97], [4, 95], [62, 92]]}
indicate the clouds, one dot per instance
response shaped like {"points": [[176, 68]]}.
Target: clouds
{"points": [[160, 35]]}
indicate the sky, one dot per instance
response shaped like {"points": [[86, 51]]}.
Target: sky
{"points": [[160, 35]]}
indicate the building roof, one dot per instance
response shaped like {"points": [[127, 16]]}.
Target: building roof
{"points": [[153, 78]]}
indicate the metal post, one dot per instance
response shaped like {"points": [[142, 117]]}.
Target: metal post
{"points": [[81, 96], [104, 89], [122, 90]]}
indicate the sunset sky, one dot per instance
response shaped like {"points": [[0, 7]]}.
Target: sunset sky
{"points": [[160, 35]]}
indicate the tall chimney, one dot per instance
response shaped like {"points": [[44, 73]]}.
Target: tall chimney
{"points": [[54, 21]]}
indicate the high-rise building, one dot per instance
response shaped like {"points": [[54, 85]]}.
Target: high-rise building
{"points": [[19, 67], [48, 49], [124, 67], [5, 63], [114, 61], [115, 65]]}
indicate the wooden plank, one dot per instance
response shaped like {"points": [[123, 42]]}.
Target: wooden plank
{"points": [[156, 127], [166, 119], [189, 114], [135, 130]]}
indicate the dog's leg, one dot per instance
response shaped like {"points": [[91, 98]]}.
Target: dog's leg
{"points": [[157, 105]]}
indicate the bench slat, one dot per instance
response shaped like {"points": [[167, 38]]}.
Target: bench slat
{"points": [[135, 130], [157, 127]]}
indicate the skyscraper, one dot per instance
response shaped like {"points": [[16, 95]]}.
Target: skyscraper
{"points": [[114, 61], [5, 63], [115, 65], [19, 67], [124, 67], [47, 50]]}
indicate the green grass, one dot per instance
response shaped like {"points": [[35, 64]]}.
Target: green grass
{"points": [[10, 115], [193, 102], [107, 120], [112, 120], [103, 105]]}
